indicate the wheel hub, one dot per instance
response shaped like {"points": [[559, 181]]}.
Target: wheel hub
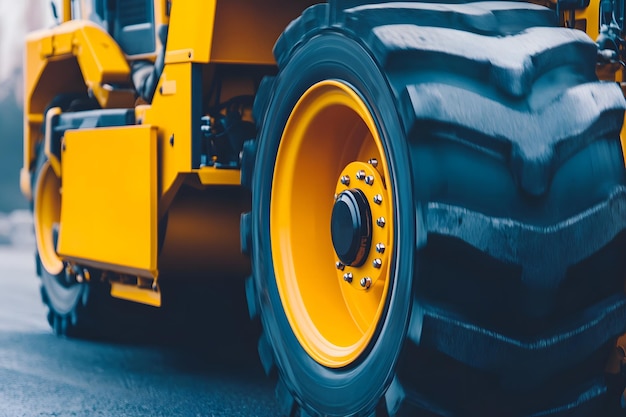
{"points": [[351, 227], [358, 227]]}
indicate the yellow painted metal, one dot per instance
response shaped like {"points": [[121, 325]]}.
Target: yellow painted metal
{"points": [[216, 176], [47, 215], [190, 32], [102, 62], [623, 140], [229, 31], [109, 207], [202, 234], [67, 10], [245, 30], [329, 129], [76, 56], [133, 293], [172, 112], [374, 190]]}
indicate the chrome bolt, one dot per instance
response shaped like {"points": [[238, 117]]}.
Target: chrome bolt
{"points": [[339, 265], [345, 180], [360, 175], [348, 277], [378, 199], [377, 263], [366, 282], [380, 222], [380, 248], [369, 180], [373, 162]]}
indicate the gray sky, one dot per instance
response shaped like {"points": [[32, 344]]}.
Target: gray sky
{"points": [[17, 18]]}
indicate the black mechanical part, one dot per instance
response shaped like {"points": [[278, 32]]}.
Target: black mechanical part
{"points": [[610, 42], [351, 227], [224, 133]]}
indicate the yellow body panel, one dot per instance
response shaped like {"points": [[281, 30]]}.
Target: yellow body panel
{"points": [[100, 59], [190, 36], [172, 110], [216, 176], [229, 31], [74, 57], [146, 296], [109, 210]]}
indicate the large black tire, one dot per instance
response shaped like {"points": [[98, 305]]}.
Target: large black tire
{"points": [[505, 288]]}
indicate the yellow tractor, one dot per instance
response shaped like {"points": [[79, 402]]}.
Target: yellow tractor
{"points": [[426, 200]]}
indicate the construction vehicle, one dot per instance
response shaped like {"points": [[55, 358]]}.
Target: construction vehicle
{"points": [[428, 199]]}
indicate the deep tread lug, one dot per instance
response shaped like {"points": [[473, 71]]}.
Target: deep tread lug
{"points": [[266, 355], [286, 402], [246, 233], [394, 397], [248, 157], [251, 298]]}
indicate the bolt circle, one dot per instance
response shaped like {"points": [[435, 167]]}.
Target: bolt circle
{"points": [[345, 180], [378, 202], [380, 222], [369, 180], [348, 277]]}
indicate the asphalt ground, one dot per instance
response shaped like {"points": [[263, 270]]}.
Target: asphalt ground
{"points": [[202, 366]]}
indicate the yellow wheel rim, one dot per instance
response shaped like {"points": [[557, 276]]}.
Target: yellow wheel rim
{"points": [[47, 215], [331, 155]]}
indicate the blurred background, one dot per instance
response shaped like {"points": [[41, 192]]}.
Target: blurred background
{"points": [[17, 18]]}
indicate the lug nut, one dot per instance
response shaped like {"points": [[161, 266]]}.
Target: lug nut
{"points": [[339, 265], [360, 175], [345, 180], [378, 199], [373, 162], [377, 263], [380, 222], [380, 248], [366, 282], [369, 180], [348, 277]]}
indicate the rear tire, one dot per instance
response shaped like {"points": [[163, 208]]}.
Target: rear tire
{"points": [[65, 300], [492, 171]]}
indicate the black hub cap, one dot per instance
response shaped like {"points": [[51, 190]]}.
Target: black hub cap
{"points": [[351, 227]]}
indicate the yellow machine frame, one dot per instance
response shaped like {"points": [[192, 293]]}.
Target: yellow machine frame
{"points": [[129, 177], [118, 183]]}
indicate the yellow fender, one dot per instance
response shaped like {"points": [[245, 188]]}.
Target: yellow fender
{"points": [[76, 56]]}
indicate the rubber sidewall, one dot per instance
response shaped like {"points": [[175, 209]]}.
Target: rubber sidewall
{"points": [[358, 388]]}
